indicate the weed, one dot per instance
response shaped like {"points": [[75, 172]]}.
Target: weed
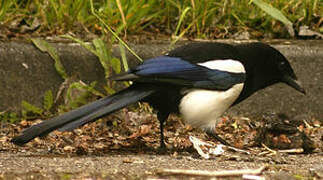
{"points": [[205, 19], [10, 117], [31, 111], [76, 93], [46, 47]]}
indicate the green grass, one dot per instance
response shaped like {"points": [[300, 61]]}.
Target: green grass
{"points": [[193, 18]]}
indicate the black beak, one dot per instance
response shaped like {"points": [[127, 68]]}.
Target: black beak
{"points": [[294, 84]]}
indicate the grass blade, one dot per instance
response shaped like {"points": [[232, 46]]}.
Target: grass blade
{"points": [[123, 57], [181, 19], [112, 32], [276, 14], [82, 43]]}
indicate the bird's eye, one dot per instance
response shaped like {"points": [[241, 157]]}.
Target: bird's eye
{"points": [[281, 64]]}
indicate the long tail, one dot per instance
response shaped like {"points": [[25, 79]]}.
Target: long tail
{"points": [[85, 114]]}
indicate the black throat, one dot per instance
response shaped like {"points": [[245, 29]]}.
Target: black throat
{"points": [[260, 72]]}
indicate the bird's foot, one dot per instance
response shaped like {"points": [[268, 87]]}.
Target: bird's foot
{"points": [[162, 148]]}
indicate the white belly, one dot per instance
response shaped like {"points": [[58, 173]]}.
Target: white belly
{"points": [[202, 108]]}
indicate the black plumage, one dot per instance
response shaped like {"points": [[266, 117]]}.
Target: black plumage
{"points": [[168, 83]]}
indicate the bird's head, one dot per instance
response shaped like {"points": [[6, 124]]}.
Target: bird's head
{"points": [[287, 74], [267, 66]]}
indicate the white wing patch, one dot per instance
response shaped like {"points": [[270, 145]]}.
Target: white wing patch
{"points": [[228, 65], [202, 108]]}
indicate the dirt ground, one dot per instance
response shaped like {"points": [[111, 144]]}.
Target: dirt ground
{"points": [[144, 166], [127, 148]]}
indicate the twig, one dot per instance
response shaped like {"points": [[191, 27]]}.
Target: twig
{"points": [[252, 177], [307, 124], [223, 173], [296, 150], [268, 149], [238, 150]]}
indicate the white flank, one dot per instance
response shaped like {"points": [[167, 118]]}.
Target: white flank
{"points": [[202, 108]]}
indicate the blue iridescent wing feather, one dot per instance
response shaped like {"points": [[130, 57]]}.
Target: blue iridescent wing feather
{"points": [[177, 71]]}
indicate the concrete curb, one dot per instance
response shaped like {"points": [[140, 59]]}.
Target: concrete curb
{"points": [[26, 73]]}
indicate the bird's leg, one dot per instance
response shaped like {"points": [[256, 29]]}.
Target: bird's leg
{"points": [[213, 134], [162, 117]]}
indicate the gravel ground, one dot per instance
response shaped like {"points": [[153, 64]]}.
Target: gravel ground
{"points": [[142, 166], [128, 149]]}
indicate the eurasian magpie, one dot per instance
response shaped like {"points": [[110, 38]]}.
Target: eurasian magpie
{"points": [[199, 80]]}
